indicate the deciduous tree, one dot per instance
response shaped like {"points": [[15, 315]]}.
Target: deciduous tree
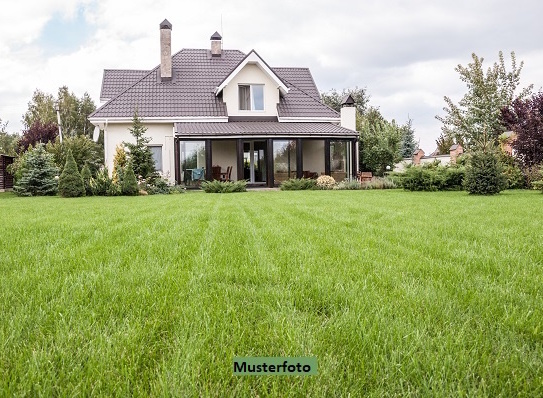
{"points": [[333, 98]]}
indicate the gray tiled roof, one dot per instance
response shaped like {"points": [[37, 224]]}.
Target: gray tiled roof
{"points": [[115, 81], [191, 92], [285, 129]]}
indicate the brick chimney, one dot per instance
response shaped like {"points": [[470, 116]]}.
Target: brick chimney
{"points": [[419, 153], [216, 45], [165, 50]]}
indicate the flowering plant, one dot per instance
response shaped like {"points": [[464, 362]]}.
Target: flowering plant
{"points": [[326, 182]]}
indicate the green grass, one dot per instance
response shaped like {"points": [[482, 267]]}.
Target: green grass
{"points": [[395, 293]]}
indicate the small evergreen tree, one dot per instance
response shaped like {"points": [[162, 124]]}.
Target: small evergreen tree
{"points": [[70, 183], [130, 185], [86, 176], [37, 173], [484, 174], [408, 145], [140, 154], [119, 163]]}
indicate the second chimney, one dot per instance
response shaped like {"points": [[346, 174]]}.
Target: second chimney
{"points": [[216, 45], [165, 50]]}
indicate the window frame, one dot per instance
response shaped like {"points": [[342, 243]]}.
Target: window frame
{"points": [[251, 99], [161, 156]]}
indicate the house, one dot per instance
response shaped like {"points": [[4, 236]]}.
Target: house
{"points": [[420, 158], [6, 179], [206, 109]]}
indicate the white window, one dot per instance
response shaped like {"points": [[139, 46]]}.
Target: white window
{"points": [[156, 150], [251, 97]]}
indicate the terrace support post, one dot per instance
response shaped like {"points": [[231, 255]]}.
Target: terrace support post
{"points": [[327, 156], [269, 163], [354, 158], [239, 150], [176, 160], [299, 159], [209, 161]]}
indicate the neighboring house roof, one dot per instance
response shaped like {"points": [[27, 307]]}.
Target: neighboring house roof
{"points": [[191, 92], [115, 81], [310, 129]]}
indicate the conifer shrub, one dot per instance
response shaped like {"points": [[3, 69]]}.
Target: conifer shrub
{"points": [[86, 176], [70, 183], [484, 174], [129, 185], [102, 185], [36, 174]]}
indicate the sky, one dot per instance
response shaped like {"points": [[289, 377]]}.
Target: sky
{"points": [[403, 52]]}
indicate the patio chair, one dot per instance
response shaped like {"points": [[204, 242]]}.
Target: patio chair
{"points": [[227, 176], [216, 172]]}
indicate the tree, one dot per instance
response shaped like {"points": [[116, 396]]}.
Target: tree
{"points": [[333, 98], [129, 185], [408, 143], [37, 173], [119, 164], [525, 118], [444, 144], [140, 155], [84, 150], [70, 183], [480, 108], [73, 111], [86, 176], [8, 142], [37, 133], [379, 142]]}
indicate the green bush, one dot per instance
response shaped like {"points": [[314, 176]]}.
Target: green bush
{"points": [[224, 186], [102, 185], [378, 183], [36, 173], [348, 185], [86, 176], [298, 184], [129, 185], [70, 183], [484, 174], [161, 186], [432, 178]]}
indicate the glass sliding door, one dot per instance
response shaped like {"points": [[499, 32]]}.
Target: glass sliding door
{"points": [[254, 161], [284, 160], [340, 160], [193, 160]]}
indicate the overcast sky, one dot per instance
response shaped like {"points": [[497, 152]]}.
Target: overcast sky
{"points": [[403, 52]]}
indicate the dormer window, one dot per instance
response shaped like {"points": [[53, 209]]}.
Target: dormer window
{"points": [[251, 97]]}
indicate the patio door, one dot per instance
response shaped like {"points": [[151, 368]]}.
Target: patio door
{"points": [[254, 161]]}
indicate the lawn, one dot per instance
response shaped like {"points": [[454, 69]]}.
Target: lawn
{"points": [[395, 293]]}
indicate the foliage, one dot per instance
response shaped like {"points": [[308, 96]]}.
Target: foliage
{"points": [[224, 186], [73, 111], [408, 145], [298, 184], [161, 186], [102, 185], [37, 173], [348, 185], [480, 109], [86, 176], [84, 151], [532, 174], [325, 182], [432, 178], [70, 183], [444, 144], [525, 118], [8, 142], [140, 154], [119, 163], [511, 170], [379, 183], [484, 174], [380, 142], [37, 133], [129, 184], [333, 99]]}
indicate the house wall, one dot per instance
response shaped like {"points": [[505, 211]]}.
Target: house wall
{"points": [[160, 134], [223, 153], [251, 74], [313, 156]]}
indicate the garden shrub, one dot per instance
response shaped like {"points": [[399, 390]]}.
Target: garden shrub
{"points": [[432, 178], [86, 176], [161, 186], [70, 183], [36, 173], [298, 184], [378, 183], [532, 174], [348, 185], [224, 186], [102, 185], [129, 184], [484, 174], [326, 182]]}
